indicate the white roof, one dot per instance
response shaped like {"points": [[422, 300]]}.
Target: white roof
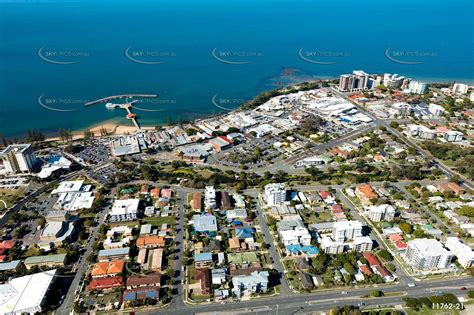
{"points": [[429, 247], [348, 225], [25, 294], [362, 240], [68, 186], [123, 207]]}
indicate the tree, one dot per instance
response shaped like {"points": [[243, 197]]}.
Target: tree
{"points": [[88, 134], [376, 293], [385, 254], [191, 131], [466, 211], [406, 227]]}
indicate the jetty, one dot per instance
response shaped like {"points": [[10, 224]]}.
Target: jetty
{"points": [[127, 105], [115, 97]]}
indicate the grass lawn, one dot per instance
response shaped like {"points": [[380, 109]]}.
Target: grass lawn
{"points": [[160, 220], [32, 251], [429, 311], [10, 196]]}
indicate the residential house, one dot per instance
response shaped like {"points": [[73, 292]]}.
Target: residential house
{"points": [[203, 260], [256, 282], [107, 269], [49, 261], [106, 283], [365, 194], [113, 254], [152, 241]]}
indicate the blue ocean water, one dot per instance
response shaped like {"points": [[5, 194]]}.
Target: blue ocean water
{"points": [[177, 45]]}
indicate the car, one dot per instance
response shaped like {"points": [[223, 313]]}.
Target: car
{"points": [[344, 292], [411, 285], [463, 289]]}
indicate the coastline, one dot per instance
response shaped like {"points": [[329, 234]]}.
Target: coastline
{"points": [[113, 127], [116, 127]]}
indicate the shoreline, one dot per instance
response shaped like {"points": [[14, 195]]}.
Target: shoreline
{"points": [[112, 126], [116, 127]]}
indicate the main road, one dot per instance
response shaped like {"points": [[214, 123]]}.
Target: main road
{"points": [[320, 301]]}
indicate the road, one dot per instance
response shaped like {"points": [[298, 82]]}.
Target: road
{"points": [[277, 265], [82, 266], [179, 241], [320, 301]]}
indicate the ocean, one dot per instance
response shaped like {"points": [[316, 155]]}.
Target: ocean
{"points": [[205, 57]]}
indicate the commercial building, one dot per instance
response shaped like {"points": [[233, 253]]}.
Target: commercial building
{"points": [[27, 294], [124, 210], [58, 229], [73, 195], [463, 252], [126, 145], [427, 254], [220, 143], [275, 194], [18, 158]]}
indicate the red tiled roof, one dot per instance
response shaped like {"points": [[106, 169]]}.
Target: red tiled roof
{"points": [[325, 194], [8, 244], [371, 259], [400, 244], [225, 139], [150, 279], [395, 237], [106, 283], [366, 191], [366, 270], [383, 271]]}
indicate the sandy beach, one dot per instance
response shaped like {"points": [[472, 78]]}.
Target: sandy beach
{"points": [[112, 127]]}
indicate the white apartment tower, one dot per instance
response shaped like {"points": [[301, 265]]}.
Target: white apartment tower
{"points": [[427, 254], [459, 88], [18, 158], [275, 194], [356, 81], [343, 230], [463, 252]]}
